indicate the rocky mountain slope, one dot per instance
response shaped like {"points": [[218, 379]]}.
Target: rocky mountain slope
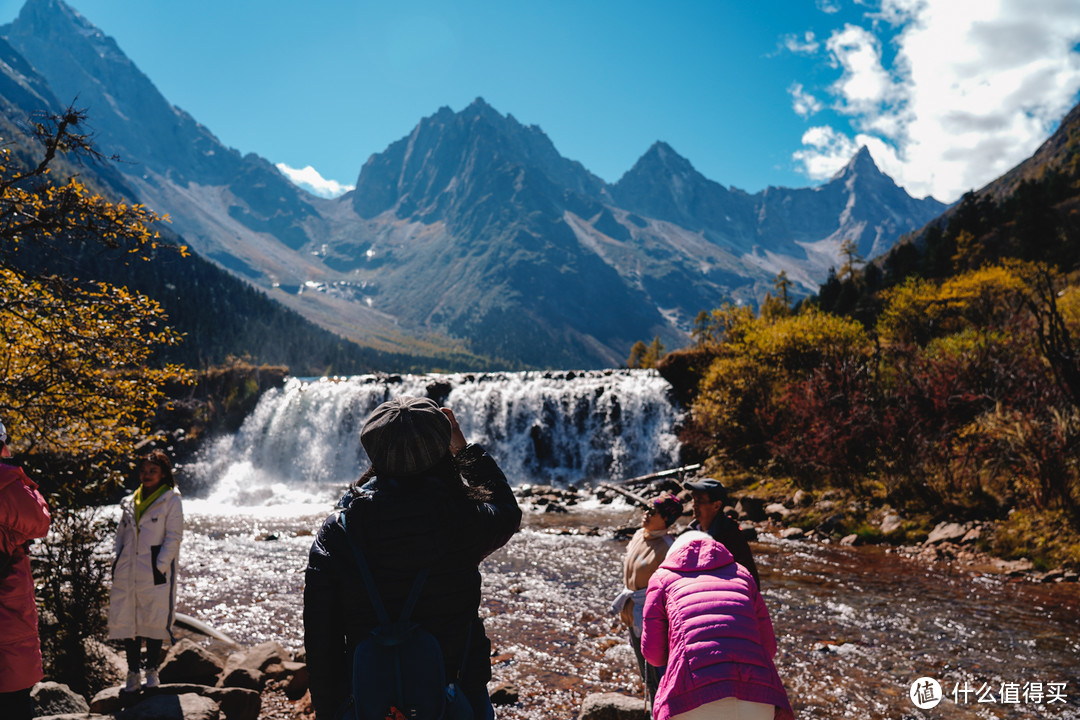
{"points": [[472, 232]]}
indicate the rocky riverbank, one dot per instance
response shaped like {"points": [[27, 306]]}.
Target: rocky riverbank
{"points": [[205, 678], [831, 517], [199, 681]]}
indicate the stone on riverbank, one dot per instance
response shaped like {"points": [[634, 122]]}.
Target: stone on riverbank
{"points": [[612, 706], [891, 523], [296, 680], [187, 706], [947, 532], [504, 694], [242, 677], [234, 703], [187, 662], [53, 698], [751, 508], [262, 656], [777, 511]]}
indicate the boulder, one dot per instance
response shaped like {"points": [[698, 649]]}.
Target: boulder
{"points": [[891, 523], [851, 539], [947, 532], [75, 716], [188, 662], [801, 498], [612, 706], [504, 694], [234, 703], [53, 698], [242, 677], [188, 706], [792, 533], [751, 508], [972, 535], [777, 511], [297, 682], [264, 655]]}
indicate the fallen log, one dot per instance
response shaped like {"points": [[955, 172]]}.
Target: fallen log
{"points": [[190, 623], [678, 472]]}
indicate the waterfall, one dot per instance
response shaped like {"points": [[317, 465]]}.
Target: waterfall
{"points": [[302, 441]]}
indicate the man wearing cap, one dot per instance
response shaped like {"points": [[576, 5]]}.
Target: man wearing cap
{"points": [[430, 501], [23, 517], [709, 497]]}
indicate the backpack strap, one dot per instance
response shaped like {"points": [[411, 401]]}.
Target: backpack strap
{"points": [[373, 590]]}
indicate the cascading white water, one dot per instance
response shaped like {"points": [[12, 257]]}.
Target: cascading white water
{"points": [[302, 441]]}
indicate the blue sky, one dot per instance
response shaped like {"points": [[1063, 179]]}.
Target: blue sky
{"points": [[948, 94]]}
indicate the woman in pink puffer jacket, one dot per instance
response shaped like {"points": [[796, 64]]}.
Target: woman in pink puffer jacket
{"points": [[705, 619], [24, 516]]}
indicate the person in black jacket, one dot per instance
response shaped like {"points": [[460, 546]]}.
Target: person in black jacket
{"points": [[429, 501], [710, 496]]}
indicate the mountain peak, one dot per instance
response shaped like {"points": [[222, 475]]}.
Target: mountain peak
{"points": [[38, 13], [660, 154], [861, 163]]}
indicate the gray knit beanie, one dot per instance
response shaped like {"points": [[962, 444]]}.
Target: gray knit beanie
{"points": [[406, 436]]}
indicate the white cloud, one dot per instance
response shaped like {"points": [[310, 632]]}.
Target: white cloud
{"points": [[803, 102], [807, 45], [828, 7], [828, 151], [973, 88], [865, 84], [309, 179]]}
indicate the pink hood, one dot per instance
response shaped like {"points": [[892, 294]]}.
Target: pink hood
{"points": [[696, 556]]}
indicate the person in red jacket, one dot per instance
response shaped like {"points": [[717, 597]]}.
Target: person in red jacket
{"points": [[705, 619], [24, 516]]}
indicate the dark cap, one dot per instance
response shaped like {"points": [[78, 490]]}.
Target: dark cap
{"points": [[712, 486], [406, 436], [668, 507]]}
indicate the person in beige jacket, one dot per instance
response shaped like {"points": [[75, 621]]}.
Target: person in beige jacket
{"points": [[142, 603], [646, 550]]}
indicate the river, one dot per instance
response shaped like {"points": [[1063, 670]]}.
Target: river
{"points": [[855, 626]]}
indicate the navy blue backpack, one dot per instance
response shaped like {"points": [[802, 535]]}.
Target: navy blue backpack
{"points": [[397, 671]]}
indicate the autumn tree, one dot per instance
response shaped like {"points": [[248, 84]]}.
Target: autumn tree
{"points": [[646, 356], [756, 360], [853, 260], [74, 379], [77, 391]]}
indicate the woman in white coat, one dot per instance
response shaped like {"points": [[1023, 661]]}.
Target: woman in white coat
{"points": [[143, 598]]}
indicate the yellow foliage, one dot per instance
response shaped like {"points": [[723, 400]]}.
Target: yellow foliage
{"points": [[919, 310], [1069, 306], [73, 365], [74, 380], [762, 354]]}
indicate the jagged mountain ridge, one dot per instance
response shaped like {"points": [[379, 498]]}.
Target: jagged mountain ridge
{"points": [[473, 226]]}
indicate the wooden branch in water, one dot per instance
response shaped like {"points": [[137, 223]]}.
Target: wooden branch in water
{"points": [[678, 472]]}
